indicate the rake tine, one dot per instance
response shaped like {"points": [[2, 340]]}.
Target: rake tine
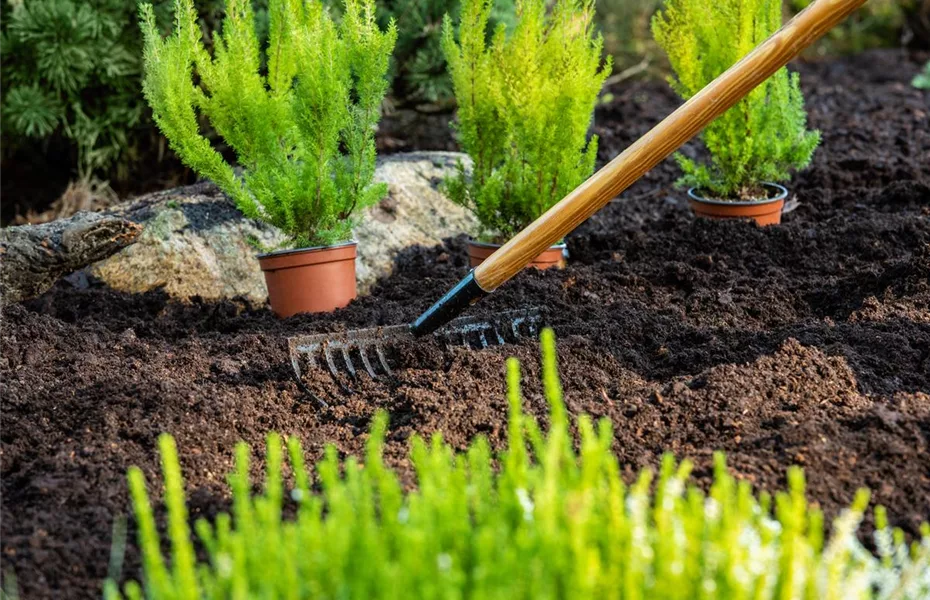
{"points": [[333, 371], [295, 353], [295, 366], [298, 377], [365, 361], [312, 351], [446, 340], [329, 362], [303, 387], [348, 361], [383, 360]]}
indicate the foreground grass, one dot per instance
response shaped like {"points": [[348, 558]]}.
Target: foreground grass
{"points": [[541, 520]]}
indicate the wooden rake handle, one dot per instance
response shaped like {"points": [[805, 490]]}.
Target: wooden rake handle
{"points": [[663, 139]]}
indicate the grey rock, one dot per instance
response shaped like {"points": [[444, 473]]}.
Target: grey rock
{"points": [[414, 212], [196, 243]]}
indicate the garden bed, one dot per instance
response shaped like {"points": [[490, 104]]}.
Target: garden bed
{"points": [[807, 343]]}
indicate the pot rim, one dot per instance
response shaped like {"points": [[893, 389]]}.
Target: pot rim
{"points": [[279, 253], [561, 246], [781, 195]]}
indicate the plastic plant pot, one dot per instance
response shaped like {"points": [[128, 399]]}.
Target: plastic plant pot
{"points": [[764, 212], [310, 280], [554, 257]]}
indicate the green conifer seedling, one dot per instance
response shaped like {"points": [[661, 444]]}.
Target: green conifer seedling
{"points": [[764, 137], [302, 128], [525, 102]]}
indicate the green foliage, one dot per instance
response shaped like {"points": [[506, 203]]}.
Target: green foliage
{"points": [[922, 80], [49, 45], [72, 72], [70, 69], [418, 66], [525, 103], [625, 27], [541, 520], [9, 589], [303, 131], [764, 137], [878, 24]]}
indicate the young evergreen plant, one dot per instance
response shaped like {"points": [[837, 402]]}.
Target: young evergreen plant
{"points": [[540, 520], [764, 137], [302, 126], [525, 102]]}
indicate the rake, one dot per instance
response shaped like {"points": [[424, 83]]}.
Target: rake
{"points": [[339, 351], [363, 349]]}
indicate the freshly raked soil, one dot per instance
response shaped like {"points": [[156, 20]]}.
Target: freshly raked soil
{"points": [[807, 343]]}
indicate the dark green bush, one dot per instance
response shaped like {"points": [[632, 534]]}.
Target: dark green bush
{"points": [[418, 65], [72, 82], [72, 74], [71, 68]]}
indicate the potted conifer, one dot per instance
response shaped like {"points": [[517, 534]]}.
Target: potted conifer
{"points": [[755, 145], [301, 118], [525, 102]]}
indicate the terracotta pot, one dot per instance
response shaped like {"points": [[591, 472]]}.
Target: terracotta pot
{"points": [[763, 212], [310, 280], [553, 257]]}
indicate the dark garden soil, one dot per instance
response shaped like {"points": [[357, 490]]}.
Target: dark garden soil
{"points": [[807, 343]]}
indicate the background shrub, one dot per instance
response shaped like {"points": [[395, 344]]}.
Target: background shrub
{"points": [[418, 66], [541, 520], [72, 100], [627, 37], [878, 24], [71, 69]]}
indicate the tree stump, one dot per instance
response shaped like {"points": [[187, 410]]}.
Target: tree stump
{"points": [[33, 257]]}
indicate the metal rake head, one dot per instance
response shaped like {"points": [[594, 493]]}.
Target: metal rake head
{"points": [[351, 352]]}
